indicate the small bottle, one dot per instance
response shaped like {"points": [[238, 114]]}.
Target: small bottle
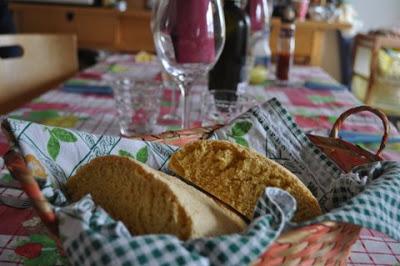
{"points": [[259, 52], [229, 72], [262, 51], [286, 44]]}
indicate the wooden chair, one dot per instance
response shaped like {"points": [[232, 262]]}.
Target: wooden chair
{"points": [[46, 61], [365, 63]]}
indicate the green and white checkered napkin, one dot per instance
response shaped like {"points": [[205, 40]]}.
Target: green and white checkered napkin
{"points": [[369, 197]]}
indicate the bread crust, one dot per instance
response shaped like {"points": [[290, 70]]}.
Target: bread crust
{"points": [[149, 201], [238, 176]]}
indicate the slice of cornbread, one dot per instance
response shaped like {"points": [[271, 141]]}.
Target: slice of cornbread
{"points": [[151, 202], [238, 176]]}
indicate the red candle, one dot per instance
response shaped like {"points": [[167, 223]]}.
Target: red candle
{"points": [[193, 31]]}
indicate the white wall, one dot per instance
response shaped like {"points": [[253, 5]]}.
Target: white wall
{"points": [[377, 13]]}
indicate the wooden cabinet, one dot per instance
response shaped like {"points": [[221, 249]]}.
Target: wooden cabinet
{"points": [[310, 38], [96, 31], [106, 28], [95, 27], [41, 20], [134, 32]]}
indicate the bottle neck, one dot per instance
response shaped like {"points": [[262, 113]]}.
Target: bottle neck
{"points": [[237, 3]]}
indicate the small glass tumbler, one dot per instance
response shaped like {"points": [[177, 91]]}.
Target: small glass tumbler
{"points": [[138, 105], [222, 106]]}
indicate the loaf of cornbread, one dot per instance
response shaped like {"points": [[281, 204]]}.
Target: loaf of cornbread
{"points": [[151, 202], [238, 176]]}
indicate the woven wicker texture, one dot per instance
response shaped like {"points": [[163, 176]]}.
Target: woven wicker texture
{"points": [[321, 244]]}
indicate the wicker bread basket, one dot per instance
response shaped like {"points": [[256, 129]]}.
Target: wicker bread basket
{"points": [[327, 243]]}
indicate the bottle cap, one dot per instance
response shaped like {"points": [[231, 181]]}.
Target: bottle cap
{"points": [[288, 14]]}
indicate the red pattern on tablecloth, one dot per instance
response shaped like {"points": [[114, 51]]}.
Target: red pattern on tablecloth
{"points": [[373, 248]]}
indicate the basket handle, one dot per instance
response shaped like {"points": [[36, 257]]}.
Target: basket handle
{"points": [[17, 167], [339, 122], [15, 163]]}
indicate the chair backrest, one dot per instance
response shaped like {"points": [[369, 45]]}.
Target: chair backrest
{"points": [[368, 84], [46, 61]]}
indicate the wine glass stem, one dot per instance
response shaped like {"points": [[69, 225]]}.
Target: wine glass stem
{"points": [[174, 102], [185, 92]]}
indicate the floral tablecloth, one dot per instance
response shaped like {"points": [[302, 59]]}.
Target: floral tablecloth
{"points": [[25, 241]]}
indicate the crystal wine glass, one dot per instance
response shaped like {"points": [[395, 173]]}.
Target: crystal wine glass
{"points": [[168, 82], [189, 36]]}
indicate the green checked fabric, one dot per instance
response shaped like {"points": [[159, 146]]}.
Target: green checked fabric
{"points": [[368, 197], [91, 237]]}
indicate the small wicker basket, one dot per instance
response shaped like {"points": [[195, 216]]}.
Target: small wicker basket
{"points": [[327, 243]]}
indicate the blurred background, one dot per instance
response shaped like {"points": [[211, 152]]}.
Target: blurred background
{"points": [[326, 37]]}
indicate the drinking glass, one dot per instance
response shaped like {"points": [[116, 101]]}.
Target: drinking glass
{"points": [[222, 106], [136, 113], [189, 36], [168, 82]]}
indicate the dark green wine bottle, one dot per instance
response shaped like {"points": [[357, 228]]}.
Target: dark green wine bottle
{"points": [[229, 71]]}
